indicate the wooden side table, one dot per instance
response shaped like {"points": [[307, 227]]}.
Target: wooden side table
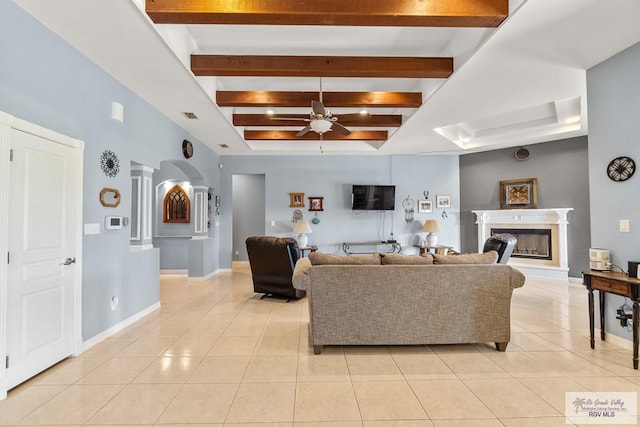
{"points": [[438, 249], [308, 248], [614, 283]]}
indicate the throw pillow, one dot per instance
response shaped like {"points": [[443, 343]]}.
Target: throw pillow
{"points": [[486, 258], [319, 258], [390, 259]]}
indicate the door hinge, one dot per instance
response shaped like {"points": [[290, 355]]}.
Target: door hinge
{"points": [[11, 155], [8, 257], [6, 362]]}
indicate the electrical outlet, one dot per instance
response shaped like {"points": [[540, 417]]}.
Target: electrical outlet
{"points": [[624, 225], [623, 317], [114, 303]]}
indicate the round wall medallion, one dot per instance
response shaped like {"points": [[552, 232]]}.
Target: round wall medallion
{"points": [[521, 153], [621, 168], [109, 163], [187, 148]]}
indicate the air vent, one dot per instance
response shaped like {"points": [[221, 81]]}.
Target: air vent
{"points": [[223, 145], [190, 115]]}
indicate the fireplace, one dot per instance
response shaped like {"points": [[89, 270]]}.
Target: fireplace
{"points": [[532, 243], [541, 250]]}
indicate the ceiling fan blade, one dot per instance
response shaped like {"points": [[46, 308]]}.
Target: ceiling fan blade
{"points": [[304, 130], [318, 108], [352, 116], [290, 118], [338, 128]]}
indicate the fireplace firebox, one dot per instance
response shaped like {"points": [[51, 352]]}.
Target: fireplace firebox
{"points": [[532, 243]]}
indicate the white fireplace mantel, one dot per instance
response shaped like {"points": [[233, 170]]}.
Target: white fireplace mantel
{"points": [[554, 219]]}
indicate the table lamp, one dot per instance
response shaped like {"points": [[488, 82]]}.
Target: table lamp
{"points": [[300, 229], [431, 227]]}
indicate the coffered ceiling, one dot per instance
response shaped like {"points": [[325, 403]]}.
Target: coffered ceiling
{"points": [[433, 76]]}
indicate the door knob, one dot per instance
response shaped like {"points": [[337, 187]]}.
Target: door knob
{"points": [[69, 261]]}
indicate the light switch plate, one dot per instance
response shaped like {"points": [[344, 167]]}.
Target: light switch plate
{"points": [[92, 228], [624, 225]]}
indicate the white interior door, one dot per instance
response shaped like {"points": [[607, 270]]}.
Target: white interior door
{"points": [[40, 286]]}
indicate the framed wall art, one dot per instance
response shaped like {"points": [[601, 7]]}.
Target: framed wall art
{"points": [[296, 200], [425, 206], [519, 193], [315, 204], [443, 201]]}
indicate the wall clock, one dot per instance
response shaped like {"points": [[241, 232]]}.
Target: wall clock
{"points": [[187, 148], [109, 163], [621, 168]]}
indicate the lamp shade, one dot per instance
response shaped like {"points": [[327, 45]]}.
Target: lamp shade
{"points": [[302, 226], [431, 226]]}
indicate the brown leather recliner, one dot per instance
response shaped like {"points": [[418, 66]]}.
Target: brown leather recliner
{"points": [[272, 260]]}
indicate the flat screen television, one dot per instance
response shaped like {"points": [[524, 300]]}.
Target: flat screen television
{"points": [[373, 197]]}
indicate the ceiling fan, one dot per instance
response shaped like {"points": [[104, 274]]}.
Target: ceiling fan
{"points": [[320, 119]]}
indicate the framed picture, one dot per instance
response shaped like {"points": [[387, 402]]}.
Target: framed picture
{"points": [[315, 204], [425, 206], [519, 193], [443, 201], [297, 200]]}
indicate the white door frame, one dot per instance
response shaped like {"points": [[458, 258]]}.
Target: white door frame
{"points": [[7, 123]]}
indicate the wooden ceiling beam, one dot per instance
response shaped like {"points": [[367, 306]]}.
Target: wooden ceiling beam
{"points": [[286, 135], [329, 99], [398, 13], [321, 66], [365, 120]]}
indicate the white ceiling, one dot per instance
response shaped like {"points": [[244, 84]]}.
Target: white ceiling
{"points": [[520, 84]]}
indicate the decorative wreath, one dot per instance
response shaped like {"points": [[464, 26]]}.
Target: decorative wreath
{"points": [[109, 163]]}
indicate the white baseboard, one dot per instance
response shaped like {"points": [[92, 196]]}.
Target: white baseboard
{"points": [[575, 280], [614, 339], [207, 277], [174, 271], [86, 345]]}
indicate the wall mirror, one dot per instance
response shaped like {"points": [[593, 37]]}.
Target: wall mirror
{"points": [[110, 197]]}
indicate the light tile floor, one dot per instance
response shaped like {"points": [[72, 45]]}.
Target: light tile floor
{"points": [[215, 354]]}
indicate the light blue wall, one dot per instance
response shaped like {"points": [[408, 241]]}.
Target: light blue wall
{"points": [[613, 88], [248, 211], [45, 81], [331, 177]]}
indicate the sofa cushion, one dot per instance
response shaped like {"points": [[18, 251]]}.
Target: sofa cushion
{"points": [[486, 258], [319, 258], [389, 259]]}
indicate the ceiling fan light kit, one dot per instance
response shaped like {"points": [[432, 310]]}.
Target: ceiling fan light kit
{"points": [[321, 126]]}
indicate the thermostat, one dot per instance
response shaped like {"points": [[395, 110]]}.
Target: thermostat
{"points": [[113, 222]]}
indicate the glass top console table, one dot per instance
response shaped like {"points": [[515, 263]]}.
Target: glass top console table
{"points": [[371, 247]]}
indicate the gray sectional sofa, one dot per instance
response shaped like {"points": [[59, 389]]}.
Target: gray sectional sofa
{"points": [[385, 301]]}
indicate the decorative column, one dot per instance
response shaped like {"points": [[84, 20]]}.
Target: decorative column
{"points": [[200, 211], [141, 207]]}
